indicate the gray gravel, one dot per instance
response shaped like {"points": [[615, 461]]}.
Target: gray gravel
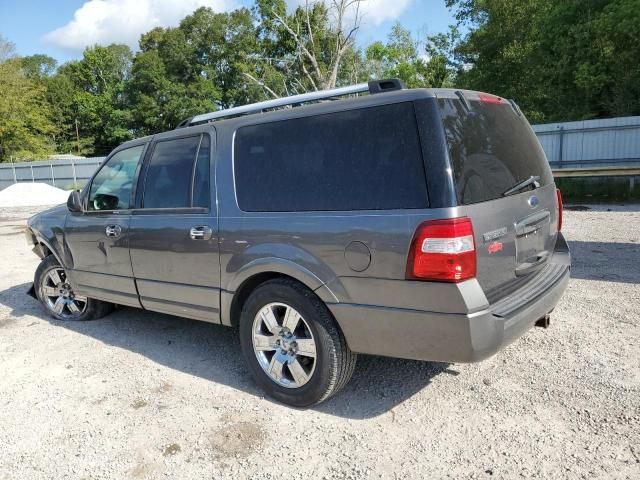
{"points": [[144, 395]]}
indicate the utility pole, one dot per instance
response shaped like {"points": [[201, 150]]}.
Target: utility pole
{"points": [[13, 166], [78, 137]]}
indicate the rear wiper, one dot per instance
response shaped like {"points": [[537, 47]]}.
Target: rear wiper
{"points": [[532, 180]]}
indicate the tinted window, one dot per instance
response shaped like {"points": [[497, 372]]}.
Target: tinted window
{"points": [[364, 159], [170, 172], [491, 149], [111, 187], [201, 192]]}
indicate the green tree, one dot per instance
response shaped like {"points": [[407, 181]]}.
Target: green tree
{"points": [[311, 48], [90, 94], [592, 65], [193, 68], [38, 67], [418, 65], [442, 62], [568, 60], [500, 51], [223, 44], [25, 117]]}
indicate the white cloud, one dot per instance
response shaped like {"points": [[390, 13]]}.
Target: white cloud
{"points": [[122, 21], [374, 12], [377, 11]]}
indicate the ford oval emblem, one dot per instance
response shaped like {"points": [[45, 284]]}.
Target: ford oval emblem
{"points": [[533, 201]]}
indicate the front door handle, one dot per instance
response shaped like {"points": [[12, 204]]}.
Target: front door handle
{"points": [[201, 232], [113, 231]]}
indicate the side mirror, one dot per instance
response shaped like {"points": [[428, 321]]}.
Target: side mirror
{"points": [[74, 202]]}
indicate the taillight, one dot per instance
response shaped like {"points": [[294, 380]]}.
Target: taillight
{"points": [[560, 207], [443, 251]]}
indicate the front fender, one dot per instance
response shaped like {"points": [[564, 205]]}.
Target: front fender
{"points": [[47, 228]]}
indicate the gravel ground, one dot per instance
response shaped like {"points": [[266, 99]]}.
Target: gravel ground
{"points": [[144, 395]]}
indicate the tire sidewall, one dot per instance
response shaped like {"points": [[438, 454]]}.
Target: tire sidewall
{"points": [[320, 380]]}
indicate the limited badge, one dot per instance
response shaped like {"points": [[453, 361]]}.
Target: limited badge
{"points": [[494, 235]]}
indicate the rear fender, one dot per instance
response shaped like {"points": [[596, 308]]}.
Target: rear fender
{"points": [[278, 266]]}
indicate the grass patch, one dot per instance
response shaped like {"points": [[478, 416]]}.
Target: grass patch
{"points": [[599, 189]]}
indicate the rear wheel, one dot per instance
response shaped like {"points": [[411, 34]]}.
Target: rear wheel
{"points": [[58, 298], [292, 344]]}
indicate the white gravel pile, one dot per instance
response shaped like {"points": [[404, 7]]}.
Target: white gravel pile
{"points": [[30, 194]]}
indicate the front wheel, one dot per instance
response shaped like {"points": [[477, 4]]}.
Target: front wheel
{"points": [[58, 298], [292, 344]]}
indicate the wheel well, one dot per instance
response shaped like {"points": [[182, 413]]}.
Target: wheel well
{"points": [[248, 286], [44, 250]]}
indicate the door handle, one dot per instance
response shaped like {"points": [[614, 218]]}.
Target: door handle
{"points": [[532, 223], [113, 230], [201, 232]]}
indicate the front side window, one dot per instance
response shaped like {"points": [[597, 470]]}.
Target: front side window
{"points": [[111, 187], [364, 159], [170, 174]]}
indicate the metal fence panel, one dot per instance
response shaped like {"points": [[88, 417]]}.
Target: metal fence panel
{"points": [[590, 143], [62, 173]]}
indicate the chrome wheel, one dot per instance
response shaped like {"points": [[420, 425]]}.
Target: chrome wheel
{"points": [[58, 296], [284, 345]]}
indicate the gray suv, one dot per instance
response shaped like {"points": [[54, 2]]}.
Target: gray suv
{"points": [[421, 224]]}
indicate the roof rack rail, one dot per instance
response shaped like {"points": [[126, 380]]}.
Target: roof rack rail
{"points": [[373, 87]]}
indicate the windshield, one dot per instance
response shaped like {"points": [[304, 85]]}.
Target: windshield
{"points": [[492, 149]]}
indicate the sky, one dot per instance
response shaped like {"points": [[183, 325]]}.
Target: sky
{"points": [[62, 28]]}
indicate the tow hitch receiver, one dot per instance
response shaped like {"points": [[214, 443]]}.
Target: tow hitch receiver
{"points": [[544, 322]]}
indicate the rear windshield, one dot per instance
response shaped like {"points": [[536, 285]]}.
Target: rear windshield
{"points": [[364, 159], [492, 149]]}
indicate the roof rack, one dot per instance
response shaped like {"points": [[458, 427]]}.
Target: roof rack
{"points": [[373, 87]]}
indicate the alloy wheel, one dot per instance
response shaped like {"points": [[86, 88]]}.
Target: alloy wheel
{"points": [[284, 345], [58, 295]]}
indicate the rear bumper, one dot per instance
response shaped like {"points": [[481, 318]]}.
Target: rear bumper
{"points": [[451, 337]]}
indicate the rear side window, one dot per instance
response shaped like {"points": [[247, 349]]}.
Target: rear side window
{"points": [[366, 159], [170, 173], [492, 149]]}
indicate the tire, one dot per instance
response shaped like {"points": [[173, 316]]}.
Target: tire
{"points": [[64, 306], [326, 368]]}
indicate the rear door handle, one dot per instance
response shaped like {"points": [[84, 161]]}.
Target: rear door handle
{"points": [[532, 223], [113, 231], [201, 232]]}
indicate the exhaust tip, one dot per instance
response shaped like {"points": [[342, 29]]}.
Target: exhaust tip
{"points": [[544, 322]]}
